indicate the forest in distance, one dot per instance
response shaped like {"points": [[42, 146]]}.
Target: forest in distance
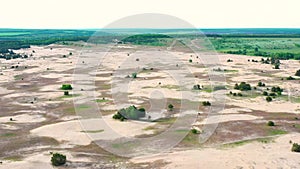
{"points": [[277, 43]]}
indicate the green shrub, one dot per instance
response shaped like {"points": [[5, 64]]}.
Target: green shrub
{"points": [[290, 78], [265, 93], [66, 87], [170, 106], [190, 60], [134, 75], [130, 112], [297, 73], [195, 131], [271, 123], [197, 87], [206, 103], [58, 159], [243, 86], [269, 99], [296, 148]]}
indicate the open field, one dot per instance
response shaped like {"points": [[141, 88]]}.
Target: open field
{"points": [[40, 114]]}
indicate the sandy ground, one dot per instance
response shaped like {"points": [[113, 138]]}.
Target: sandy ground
{"points": [[255, 155], [83, 132], [70, 132]]}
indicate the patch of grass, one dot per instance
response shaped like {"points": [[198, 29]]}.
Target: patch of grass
{"points": [[243, 142], [13, 158], [102, 101], [171, 87], [274, 132], [8, 135], [207, 89], [82, 107], [150, 128], [166, 121], [92, 131]]}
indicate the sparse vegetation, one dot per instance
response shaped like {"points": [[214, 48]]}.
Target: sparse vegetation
{"points": [[243, 86], [130, 112]]}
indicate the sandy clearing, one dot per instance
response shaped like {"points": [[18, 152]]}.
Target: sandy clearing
{"points": [[72, 132], [39, 160], [227, 118], [23, 118], [253, 155]]}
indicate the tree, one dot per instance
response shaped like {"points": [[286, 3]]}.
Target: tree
{"points": [[66, 93], [170, 106], [277, 66], [66, 87], [271, 123], [58, 159], [190, 60], [269, 99], [296, 147], [297, 73], [197, 87]]}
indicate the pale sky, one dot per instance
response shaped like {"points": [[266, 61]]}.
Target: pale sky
{"points": [[200, 13]]}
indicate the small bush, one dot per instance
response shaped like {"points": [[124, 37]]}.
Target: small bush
{"points": [[58, 159], [134, 75], [269, 99], [271, 123], [197, 87], [170, 106], [296, 148], [195, 131], [206, 103], [265, 93], [290, 78], [297, 73], [190, 60]]}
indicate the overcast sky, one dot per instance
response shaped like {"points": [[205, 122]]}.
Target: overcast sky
{"points": [[200, 13]]}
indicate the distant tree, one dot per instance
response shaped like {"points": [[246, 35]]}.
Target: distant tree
{"points": [[58, 159], [66, 87], [70, 53], [277, 66], [170, 107], [66, 93], [190, 60]]}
